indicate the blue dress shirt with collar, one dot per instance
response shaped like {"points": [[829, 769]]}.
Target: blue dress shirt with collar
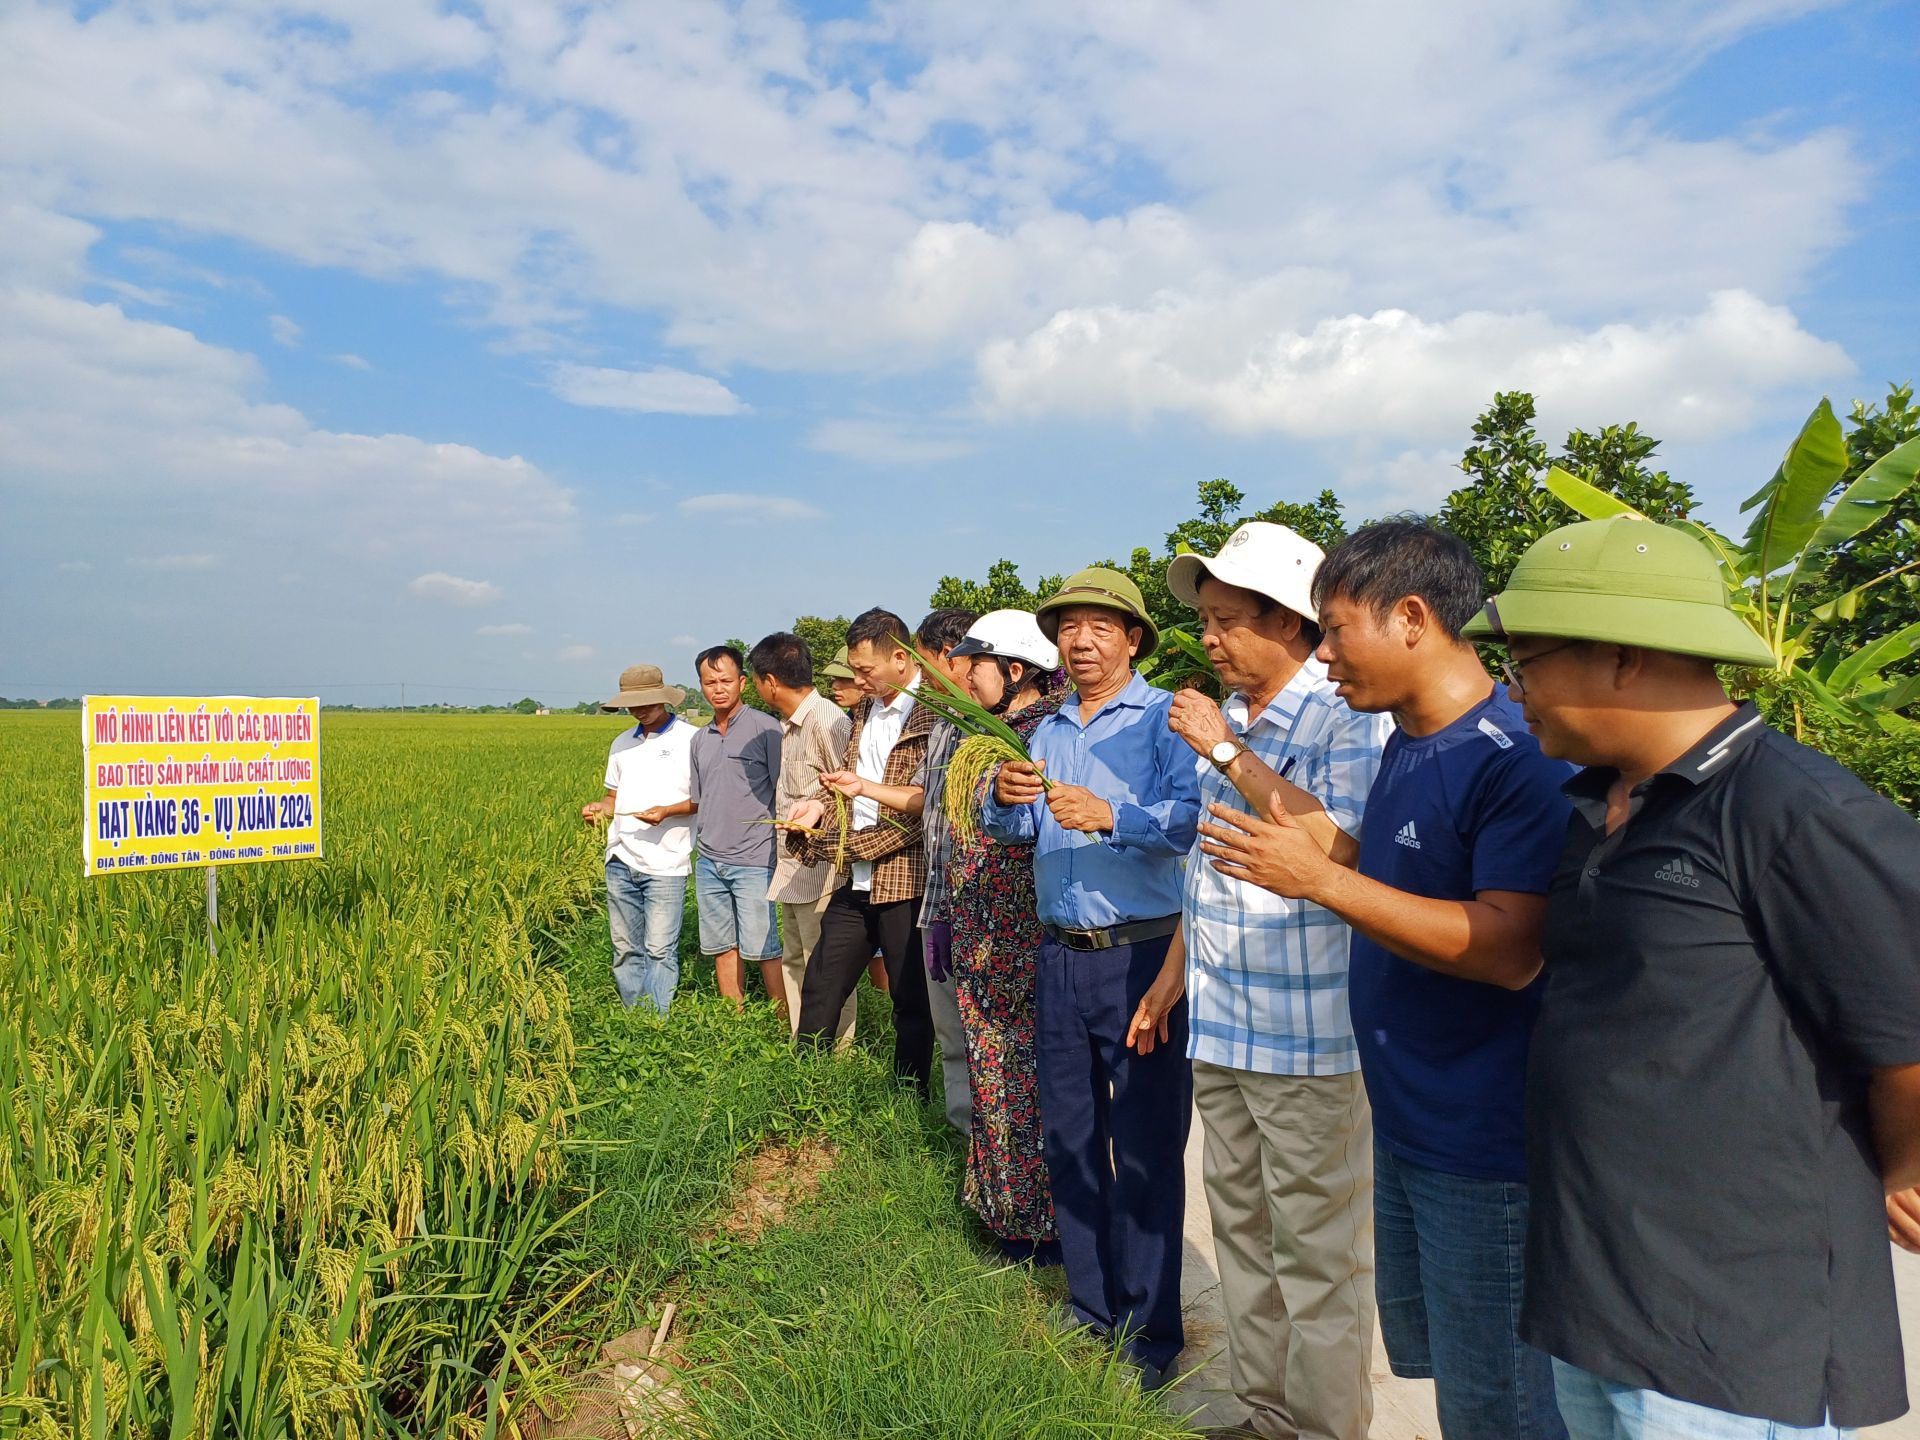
{"points": [[1128, 757]]}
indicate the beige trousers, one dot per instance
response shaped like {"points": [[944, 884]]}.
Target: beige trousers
{"points": [[1288, 1163], [799, 938]]}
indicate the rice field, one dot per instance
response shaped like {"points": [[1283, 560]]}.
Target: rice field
{"points": [[294, 1188], [396, 1163]]}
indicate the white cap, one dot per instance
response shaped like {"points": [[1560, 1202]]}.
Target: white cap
{"points": [[1260, 556], [1012, 635]]}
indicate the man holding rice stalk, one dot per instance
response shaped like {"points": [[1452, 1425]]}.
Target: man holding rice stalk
{"points": [[1109, 800], [813, 737], [1276, 1073], [647, 811], [879, 849]]}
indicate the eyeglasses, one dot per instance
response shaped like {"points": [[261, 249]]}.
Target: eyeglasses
{"points": [[1512, 668]]}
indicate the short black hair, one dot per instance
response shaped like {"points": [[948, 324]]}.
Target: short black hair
{"points": [[713, 652], [1379, 565], [944, 628], [785, 657], [879, 628]]}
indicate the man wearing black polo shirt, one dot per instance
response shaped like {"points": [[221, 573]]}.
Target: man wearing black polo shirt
{"points": [[1724, 1083]]}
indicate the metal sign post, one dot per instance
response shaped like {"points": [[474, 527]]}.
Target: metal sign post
{"points": [[213, 908]]}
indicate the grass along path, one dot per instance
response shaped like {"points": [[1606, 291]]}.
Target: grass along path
{"points": [[869, 1307]]}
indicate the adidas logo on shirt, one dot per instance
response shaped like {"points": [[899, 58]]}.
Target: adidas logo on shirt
{"points": [[1407, 837], [1678, 871]]}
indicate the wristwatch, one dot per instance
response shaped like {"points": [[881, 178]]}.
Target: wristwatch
{"points": [[1226, 752]]}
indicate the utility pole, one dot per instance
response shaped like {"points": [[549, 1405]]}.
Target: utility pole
{"points": [[403, 696]]}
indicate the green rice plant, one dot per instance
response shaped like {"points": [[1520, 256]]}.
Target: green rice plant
{"points": [[302, 1188]]}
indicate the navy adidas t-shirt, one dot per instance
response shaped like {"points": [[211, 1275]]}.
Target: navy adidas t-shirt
{"points": [[1473, 807]]}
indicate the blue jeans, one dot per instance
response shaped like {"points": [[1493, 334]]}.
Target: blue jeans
{"points": [[1113, 1126], [735, 913], [1597, 1409], [1449, 1256], [644, 914]]}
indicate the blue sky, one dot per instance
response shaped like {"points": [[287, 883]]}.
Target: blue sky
{"points": [[492, 346]]}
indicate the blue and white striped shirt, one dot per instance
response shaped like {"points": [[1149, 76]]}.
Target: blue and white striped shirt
{"points": [[1267, 976]]}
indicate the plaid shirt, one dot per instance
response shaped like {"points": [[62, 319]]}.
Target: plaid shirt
{"points": [[898, 854], [934, 823], [1267, 976]]}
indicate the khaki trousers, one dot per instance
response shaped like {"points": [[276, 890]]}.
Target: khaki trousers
{"points": [[799, 938], [1288, 1163]]}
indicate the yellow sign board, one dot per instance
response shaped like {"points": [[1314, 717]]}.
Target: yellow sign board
{"points": [[177, 780]]}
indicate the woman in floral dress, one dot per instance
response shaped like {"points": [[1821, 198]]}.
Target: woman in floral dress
{"points": [[996, 943]]}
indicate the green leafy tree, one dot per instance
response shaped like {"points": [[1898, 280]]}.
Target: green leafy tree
{"points": [[525, 706], [1003, 589], [1320, 520], [1505, 508], [824, 638]]}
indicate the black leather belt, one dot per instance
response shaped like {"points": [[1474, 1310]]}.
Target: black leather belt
{"points": [[1129, 934]]}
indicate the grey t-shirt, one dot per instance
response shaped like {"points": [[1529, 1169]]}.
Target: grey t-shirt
{"points": [[734, 776]]}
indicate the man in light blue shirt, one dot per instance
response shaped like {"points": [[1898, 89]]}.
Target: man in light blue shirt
{"points": [[1111, 824], [1288, 1162]]}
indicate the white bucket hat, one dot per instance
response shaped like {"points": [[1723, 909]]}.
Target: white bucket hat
{"points": [[1268, 559]]}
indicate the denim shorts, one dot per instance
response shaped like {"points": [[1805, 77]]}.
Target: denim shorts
{"points": [[735, 913]]}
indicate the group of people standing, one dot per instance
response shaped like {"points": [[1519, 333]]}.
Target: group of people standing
{"points": [[1570, 1026]]}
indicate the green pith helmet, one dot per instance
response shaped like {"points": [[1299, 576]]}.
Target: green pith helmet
{"points": [[837, 668], [1622, 581], [1110, 590]]}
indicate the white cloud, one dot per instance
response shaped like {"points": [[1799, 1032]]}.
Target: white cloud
{"points": [[352, 362], [453, 589], [884, 442], [201, 560], [110, 412], [514, 629], [744, 509], [659, 391], [285, 331], [790, 196], [1393, 373], [571, 653], [681, 642], [77, 567]]}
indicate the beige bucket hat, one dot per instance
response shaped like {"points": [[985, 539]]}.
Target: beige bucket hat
{"points": [[645, 685]]}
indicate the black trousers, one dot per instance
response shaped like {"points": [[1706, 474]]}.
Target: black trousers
{"points": [[851, 929]]}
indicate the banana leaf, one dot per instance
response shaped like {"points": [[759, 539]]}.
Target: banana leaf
{"points": [[1869, 660], [1868, 498], [1793, 502]]}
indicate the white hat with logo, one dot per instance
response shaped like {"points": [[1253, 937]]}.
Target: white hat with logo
{"points": [[1268, 559]]}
